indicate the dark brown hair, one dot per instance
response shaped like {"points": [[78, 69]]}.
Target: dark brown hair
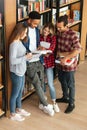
{"points": [[63, 19]]}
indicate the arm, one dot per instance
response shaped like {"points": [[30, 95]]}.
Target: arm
{"points": [[74, 52]]}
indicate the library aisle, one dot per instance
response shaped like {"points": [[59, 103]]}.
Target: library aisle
{"points": [[38, 120]]}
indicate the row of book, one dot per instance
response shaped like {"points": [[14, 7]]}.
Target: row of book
{"points": [[61, 2], [37, 5], [65, 1], [73, 15], [33, 5]]}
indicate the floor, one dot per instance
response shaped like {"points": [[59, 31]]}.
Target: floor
{"points": [[77, 120]]}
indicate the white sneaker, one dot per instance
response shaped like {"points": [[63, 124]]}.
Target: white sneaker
{"points": [[17, 117], [56, 108], [49, 109], [22, 112]]}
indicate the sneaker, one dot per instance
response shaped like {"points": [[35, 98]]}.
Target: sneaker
{"points": [[17, 117], [55, 107], [70, 108], [64, 100], [49, 109], [22, 112]]}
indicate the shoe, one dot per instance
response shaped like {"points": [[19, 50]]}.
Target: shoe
{"points": [[49, 109], [65, 100], [17, 117], [55, 107], [70, 108], [22, 112]]}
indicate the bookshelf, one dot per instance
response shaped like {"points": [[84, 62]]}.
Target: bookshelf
{"points": [[23, 7], [10, 18], [44, 7], [73, 8], [2, 65]]}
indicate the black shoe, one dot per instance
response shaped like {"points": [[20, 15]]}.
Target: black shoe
{"points": [[65, 100], [70, 108]]}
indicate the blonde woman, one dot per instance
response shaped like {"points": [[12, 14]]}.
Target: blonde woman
{"points": [[17, 65], [49, 37]]}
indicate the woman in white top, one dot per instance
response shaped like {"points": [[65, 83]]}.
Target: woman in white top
{"points": [[17, 65]]}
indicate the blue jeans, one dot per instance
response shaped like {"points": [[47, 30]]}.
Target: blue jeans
{"points": [[16, 93], [68, 84], [49, 73]]}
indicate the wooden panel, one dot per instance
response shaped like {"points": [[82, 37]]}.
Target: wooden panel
{"points": [[84, 30], [10, 21], [0, 73], [0, 99]]}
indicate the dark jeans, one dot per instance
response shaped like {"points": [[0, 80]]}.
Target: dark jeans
{"points": [[68, 84], [35, 72]]}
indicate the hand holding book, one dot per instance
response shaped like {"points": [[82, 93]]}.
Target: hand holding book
{"points": [[63, 61]]}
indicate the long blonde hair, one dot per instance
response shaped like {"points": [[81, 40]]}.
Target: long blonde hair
{"points": [[51, 28], [17, 32]]}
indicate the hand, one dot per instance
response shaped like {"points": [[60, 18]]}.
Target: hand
{"points": [[29, 55], [41, 48], [63, 61]]}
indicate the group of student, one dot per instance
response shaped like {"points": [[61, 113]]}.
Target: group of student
{"points": [[24, 40]]}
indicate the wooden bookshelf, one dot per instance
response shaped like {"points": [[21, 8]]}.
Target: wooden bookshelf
{"points": [[1, 112], [1, 86], [28, 94], [10, 23]]}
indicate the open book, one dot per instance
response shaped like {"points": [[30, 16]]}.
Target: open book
{"points": [[68, 62], [42, 52], [45, 44]]}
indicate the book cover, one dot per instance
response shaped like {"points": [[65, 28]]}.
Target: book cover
{"points": [[45, 44], [76, 15], [68, 62]]}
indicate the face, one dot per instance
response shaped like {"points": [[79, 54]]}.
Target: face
{"points": [[61, 27], [33, 23], [24, 34], [46, 31]]}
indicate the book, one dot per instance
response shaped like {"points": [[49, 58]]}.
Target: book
{"points": [[45, 44], [76, 15], [68, 62], [42, 52]]}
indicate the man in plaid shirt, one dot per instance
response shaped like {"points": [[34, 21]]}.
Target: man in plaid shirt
{"points": [[69, 47]]}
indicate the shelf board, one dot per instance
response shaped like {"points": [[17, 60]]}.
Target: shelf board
{"points": [[1, 86], [74, 23], [66, 4], [0, 25], [72, 2], [1, 57], [86, 54], [41, 12], [28, 94], [45, 11], [1, 113]]}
